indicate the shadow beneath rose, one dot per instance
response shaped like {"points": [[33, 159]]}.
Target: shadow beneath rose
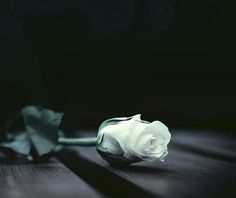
{"points": [[144, 169], [99, 176]]}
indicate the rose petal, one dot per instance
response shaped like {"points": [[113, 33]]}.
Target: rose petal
{"points": [[110, 145], [160, 130]]}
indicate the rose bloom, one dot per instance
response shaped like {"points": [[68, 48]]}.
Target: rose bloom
{"points": [[128, 140]]}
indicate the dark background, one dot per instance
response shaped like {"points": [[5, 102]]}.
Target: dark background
{"points": [[170, 60]]}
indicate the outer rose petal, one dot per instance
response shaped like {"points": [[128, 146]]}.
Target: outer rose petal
{"points": [[120, 132], [110, 145], [160, 130]]}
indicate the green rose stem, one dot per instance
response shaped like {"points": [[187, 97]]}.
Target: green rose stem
{"points": [[91, 141]]}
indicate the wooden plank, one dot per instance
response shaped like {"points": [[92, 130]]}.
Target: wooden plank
{"points": [[50, 179], [207, 142], [98, 176], [183, 174]]}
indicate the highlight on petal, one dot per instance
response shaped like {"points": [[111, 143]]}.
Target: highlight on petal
{"points": [[136, 117]]}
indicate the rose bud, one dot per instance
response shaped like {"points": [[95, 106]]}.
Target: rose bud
{"points": [[129, 139]]}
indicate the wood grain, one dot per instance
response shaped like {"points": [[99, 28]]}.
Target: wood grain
{"points": [[50, 179], [207, 142], [184, 173], [199, 164]]}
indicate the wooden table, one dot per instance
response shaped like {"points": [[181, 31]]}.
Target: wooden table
{"points": [[200, 163]]}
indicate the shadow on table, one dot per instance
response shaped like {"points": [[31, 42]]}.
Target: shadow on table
{"points": [[99, 177]]}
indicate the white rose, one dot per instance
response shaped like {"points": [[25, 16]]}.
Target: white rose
{"points": [[128, 140]]}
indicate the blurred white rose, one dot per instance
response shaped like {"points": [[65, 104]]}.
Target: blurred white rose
{"points": [[128, 140]]}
